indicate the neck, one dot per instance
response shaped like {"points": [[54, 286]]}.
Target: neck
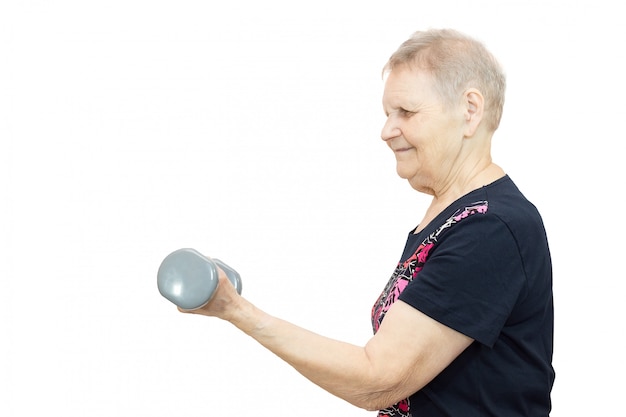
{"points": [[478, 175], [445, 196]]}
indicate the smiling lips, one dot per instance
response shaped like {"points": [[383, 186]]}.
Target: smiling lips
{"points": [[399, 150]]}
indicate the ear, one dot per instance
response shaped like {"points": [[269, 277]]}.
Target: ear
{"points": [[474, 108]]}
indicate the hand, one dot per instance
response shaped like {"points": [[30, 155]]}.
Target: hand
{"points": [[223, 303]]}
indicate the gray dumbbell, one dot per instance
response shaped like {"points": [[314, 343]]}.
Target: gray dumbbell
{"points": [[188, 279]]}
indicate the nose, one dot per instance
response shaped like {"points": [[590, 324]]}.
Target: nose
{"points": [[390, 129]]}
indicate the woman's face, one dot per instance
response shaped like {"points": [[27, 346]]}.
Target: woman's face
{"points": [[424, 135]]}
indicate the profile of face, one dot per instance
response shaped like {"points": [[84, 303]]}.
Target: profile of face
{"points": [[425, 135]]}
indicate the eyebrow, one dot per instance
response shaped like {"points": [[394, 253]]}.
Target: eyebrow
{"points": [[414, 108]]}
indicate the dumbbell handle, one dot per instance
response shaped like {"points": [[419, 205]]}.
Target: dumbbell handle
{"points": [[188, 279]]}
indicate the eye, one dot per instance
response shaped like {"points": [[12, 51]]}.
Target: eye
{"points": [[405, 113]]}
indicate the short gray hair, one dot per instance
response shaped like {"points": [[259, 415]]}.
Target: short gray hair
{"points": [[456, 62]]}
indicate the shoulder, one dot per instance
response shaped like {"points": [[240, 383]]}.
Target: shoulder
{"points": [[494, 221], [499, 206]]}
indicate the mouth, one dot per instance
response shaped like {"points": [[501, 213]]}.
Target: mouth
{"points": [[401, 150]]}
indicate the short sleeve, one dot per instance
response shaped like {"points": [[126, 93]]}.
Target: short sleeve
{"points": [[471, 279]]}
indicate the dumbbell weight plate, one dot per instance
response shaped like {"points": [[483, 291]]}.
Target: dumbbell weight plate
{"points": [[188, 279]]}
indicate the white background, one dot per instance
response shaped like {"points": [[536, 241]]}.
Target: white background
{"points": [[250, 131]]}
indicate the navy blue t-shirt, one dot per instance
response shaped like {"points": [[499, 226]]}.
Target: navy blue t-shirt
{"points": [[483, 268]]}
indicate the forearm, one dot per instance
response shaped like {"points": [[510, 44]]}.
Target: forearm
{"points": [[408, 350], [343, 369]]}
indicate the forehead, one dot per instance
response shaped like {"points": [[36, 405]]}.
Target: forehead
{"points": [[405, 85]]}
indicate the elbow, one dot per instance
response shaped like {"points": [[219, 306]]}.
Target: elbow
{"points": [[373, 405], [374, 401], [376, 405], [366, 404], [385, 394]]}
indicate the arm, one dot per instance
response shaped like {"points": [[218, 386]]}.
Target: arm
{"points": [[408, 350]]}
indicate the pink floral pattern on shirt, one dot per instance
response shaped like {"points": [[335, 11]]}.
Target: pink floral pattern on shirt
{"points": [[406, 272]]}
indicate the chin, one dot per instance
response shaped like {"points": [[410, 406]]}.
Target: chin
{"points": [[405, 173]]}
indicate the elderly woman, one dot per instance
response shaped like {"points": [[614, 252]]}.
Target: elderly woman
{"points": [[464, 326]]}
